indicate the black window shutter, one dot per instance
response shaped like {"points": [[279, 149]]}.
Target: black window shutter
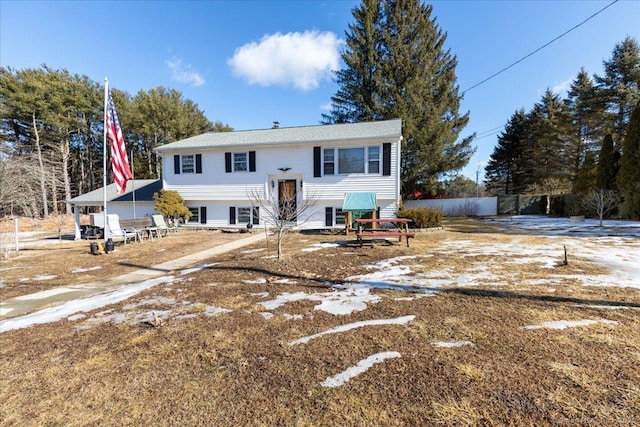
{"points": [[176, 164], [328, 216], [256, 215], [203, 215], [232, 215], [317, 162], [386, 159], [252, 161], [198, 163], [227, 162]]}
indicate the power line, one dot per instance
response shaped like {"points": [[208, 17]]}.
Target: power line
{"points": [[540, 48]]}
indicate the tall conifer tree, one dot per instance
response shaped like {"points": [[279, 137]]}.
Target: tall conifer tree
{"points": [[397, 67], [607, 165], [629, 174]]}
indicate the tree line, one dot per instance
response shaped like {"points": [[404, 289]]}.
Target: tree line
{"points": [[584, 142], [51, 135]]}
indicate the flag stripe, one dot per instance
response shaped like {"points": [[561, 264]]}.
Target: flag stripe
{"points": [[119, 160]]}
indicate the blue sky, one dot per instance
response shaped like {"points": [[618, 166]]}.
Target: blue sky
{"points": [[249, 63]]}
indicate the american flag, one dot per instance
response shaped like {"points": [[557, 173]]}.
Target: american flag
{"points": [[119, 160]]}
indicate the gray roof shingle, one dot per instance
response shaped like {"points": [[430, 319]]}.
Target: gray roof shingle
{"points": [[144, 193], [385, 129]]}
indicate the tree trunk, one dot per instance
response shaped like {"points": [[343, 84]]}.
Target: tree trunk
{"points": [[43, 185], [66, 154]]}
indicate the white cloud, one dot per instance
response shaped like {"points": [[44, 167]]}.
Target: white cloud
{"points": [[562, 86], [182, 73], [298, 59]]}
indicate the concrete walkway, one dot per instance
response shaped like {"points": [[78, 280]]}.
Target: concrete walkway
{"points": [[27, 303]]}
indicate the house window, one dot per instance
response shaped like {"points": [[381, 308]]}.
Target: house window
{"points": [[351, 160], [339, 217], [195, 215], [246, 215], [373, 156], [329, 161], [187, 163], [240, 162]]}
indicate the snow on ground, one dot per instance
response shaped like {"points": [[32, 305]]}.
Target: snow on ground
{"points": [[563, 324], [615, 247], [83, 270], [452, 344], [69, 308], [343, 328], [362, 366], [319, 246], [196, 268]]}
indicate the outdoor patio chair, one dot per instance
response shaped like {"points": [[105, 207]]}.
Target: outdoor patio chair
{"points": [[158, 221], [117, 232]]}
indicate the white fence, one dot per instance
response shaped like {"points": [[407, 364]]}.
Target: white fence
{"points": [[475, 206]]}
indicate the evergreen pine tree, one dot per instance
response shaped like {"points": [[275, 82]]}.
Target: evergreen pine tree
{"points": [[397, 67], [503, 172], [587, 112], [629, 174], [607, 165], [546, 156], [620, 85]]}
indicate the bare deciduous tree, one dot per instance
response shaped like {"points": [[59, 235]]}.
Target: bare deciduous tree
{"points": [[603, 201], [282, 210]]}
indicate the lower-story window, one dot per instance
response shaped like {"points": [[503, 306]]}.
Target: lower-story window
{"points": [[195, 215], [244, 215], [340, 216]]}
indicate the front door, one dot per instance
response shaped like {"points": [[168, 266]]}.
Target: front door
{"points": [[287, 195]]}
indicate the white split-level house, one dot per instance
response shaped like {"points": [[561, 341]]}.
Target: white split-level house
{"points": [[219, 173]]}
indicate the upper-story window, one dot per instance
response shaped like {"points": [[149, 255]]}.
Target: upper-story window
{"points": [[329, 161], [373, 159], [188, 163], [351, 160], [240, 163]]}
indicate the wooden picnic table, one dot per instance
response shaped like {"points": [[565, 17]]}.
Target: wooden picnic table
{"points": [[400, 228]]}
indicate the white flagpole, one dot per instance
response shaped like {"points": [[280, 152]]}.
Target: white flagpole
{"points": [[104, 161], [133, 185]]}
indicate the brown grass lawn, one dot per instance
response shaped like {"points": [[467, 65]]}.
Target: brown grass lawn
{"points": [[238, 367]]}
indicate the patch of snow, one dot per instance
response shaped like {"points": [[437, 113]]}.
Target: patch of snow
{"points": [[293, 316], [343, 328], [45, 277], [211, 311], [83, 270], [452, 344], [563, 324], [608, 307], [258, 281], [76, 317], [44, 294], [319, 246], [285, 281], [53, 314], [259, 294], [362, 367], [196, 268], [266, 315]]}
